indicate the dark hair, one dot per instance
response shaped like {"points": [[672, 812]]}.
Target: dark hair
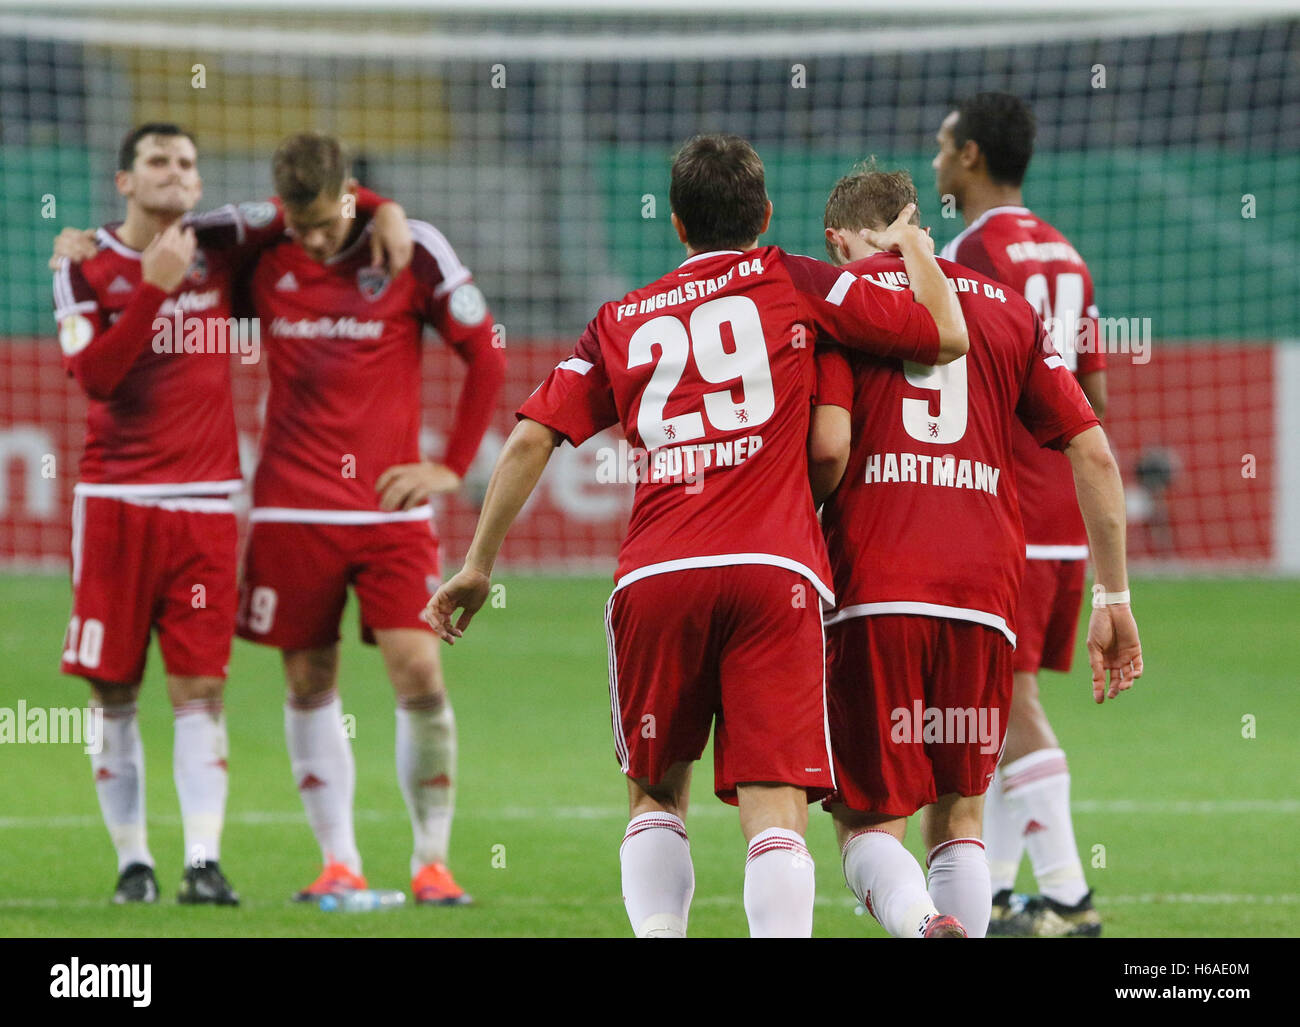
{"points": [[306, 165], [867, 198], [717, 191], [1003, 127], [126, 152]]}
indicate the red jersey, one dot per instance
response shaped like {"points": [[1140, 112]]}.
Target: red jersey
{"points": [[161, 420], [926, 519], [1021, 250], [343, 344], [709, 371]]}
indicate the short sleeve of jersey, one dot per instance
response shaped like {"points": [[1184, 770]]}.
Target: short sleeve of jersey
{"points": [[834, 378], [1052, 405], [576, 399], [861, 314]]}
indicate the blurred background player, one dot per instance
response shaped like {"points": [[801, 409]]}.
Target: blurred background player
{"points": [[921, 641], [984, 149], [341, 497], [153, 533], [715, 609], [152, 522]]}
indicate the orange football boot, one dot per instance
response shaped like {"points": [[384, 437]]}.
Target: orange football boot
{"points": [[333, 880], [434, 886]]}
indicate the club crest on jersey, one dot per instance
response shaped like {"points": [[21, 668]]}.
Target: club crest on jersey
{"points": [[257, 214], [372, 281], [198, 269]]}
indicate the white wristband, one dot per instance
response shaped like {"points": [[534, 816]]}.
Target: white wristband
{"points": [[1101, 598]]}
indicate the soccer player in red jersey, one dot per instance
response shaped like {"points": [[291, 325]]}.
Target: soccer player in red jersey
{"points": [[920, 642], [715, 617], [153, 543], [341, 497], [984, 149]]}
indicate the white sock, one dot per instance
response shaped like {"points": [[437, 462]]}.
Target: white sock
{"points": [[426, 773], [321, 757], [119, 783], [1004, 836], [199, 768], [779, 885], [959, 883], [888, 880], [658, 878], [1040, 784]]}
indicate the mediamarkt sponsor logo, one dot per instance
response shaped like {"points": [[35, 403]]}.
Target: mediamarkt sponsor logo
{"points": [[327, 328]]}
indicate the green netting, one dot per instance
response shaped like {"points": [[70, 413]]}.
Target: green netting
{"points": [[1163, 233], [35, 181]]}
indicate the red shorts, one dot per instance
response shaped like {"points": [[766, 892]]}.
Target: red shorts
{"points": [[740, 645], [136, 566], [296, 579], [918, 709], [1047, 617]]}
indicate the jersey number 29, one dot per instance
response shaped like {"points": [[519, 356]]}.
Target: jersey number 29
{"points": [[747, 362]]}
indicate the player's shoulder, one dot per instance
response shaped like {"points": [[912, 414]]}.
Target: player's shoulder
{"points": [[434, 260], [1027, 238], [110, 265]]}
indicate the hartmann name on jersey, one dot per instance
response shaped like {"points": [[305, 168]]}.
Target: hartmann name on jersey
{"points": [[932, 470]]}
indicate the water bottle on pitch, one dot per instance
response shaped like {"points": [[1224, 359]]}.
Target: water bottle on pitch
{"points": [[365, 900]]}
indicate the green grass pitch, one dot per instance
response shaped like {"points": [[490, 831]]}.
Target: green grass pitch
{"points": [[1196, 823]]}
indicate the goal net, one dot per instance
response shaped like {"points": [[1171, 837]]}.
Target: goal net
{"points": [[539, 142]]}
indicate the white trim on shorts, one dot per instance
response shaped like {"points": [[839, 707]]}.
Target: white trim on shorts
{"points": [[727, 560], [293, 515], [1056, 552], [989, 620], [78, 534], [185, 504], [826, 717], [616, 714], [110, 490]]}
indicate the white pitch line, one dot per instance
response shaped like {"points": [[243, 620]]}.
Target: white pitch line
{"points": [[256, 818], [1153, 899]]}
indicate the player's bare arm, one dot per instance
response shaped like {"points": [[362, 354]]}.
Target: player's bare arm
{"points": [[1114, 648], [1093, 384], [929, 284], [406, 486], [516, 474], [829, 436], [391, 242]]}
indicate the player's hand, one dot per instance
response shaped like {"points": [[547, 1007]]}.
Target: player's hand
{"points": [[406, 486], [76, 244], [467, 591], [1114, 648], [168, 256], [391, 241], [901, 232]]}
